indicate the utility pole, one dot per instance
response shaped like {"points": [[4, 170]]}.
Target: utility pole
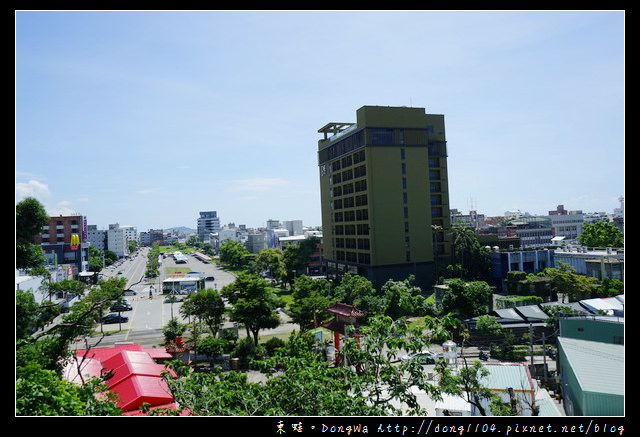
{"points": [[531, 343]]}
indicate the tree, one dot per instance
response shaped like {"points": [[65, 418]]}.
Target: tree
{"points": [[467, 299], [353, 290], [253, 303], [310, 299], [471, 258], [67, 287], [567, 282], [27, 314], [610, 288], [298, 256], [466, 382], [388, 386], [40, 357], [235, 254], [272, 261], [305, 385], [42, 392], [208, 306], [402, 298], [601, 234], [173, 330], [31, 218]]}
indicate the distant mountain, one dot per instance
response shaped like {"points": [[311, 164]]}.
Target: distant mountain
{"points": [[181, 230]]}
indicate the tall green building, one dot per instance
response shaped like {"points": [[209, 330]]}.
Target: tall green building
{"points": [[385, 195]]}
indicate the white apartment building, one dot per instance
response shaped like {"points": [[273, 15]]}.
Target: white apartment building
{"points": [[117, 240], [131, 232]]}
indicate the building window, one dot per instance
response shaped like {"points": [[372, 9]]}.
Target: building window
{"points": [[381, 137]]}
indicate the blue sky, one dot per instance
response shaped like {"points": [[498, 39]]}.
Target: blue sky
{"points": [[146, 118]]}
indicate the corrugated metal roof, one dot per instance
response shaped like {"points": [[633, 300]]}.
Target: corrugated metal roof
{"points": [[599, 367], [532, 312], [503, 376], [508, 314]]}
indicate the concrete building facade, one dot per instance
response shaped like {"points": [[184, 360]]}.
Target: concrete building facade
{"points": [[384, 195]]}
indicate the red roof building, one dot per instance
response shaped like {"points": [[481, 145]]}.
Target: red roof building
{"points": [[134, 374]]}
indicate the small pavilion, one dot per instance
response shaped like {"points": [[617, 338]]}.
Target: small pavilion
{"points": [[345, 314]]}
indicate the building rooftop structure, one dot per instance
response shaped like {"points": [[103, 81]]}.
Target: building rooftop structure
{"points": [[135, 374], [592, 377]]}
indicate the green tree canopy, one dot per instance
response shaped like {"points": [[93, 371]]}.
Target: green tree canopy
{"points": [[235, 254], [601, 234], [353, 290], [310, 299], [467, 299], [368, 383], [567, 282], [208, 306], [272, 261], [253, 303], [471, 258], [298, 256], [31, 218]]}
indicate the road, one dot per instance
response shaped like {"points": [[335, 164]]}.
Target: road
{"points": [[150, 313]]}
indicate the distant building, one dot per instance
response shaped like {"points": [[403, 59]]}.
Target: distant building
{"points": [[293, 226], [384, 195], [64, 241], [152, 236], [256, 242], [566, 224], [597, 263], [208, 223], [117, 241], [97, 237], [273, 224]]}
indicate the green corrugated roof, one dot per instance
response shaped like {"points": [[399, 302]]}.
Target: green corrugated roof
{"points": [[599, 367], [507, 375]]}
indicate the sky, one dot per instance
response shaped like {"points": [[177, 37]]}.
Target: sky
{"points": [[146, 118]]}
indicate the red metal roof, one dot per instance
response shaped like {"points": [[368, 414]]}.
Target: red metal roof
{"points": [[135, 375]]}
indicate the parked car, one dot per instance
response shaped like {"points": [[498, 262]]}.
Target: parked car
{"points": [[121, 306], [425, 357], [209, 278], [114, 318], [129, 292]]}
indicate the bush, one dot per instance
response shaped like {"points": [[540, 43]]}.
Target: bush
{"points": [[246, 350], [272, 344]]}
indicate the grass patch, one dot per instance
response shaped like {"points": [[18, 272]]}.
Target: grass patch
{"points": [[171, 270]]}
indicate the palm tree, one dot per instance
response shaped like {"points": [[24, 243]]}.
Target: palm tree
{"points": [[464, 239]]}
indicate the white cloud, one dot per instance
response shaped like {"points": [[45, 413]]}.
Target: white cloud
{"points": [[33, 189], [62, 208]]}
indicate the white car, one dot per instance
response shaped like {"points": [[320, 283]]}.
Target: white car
{"points": [[425, 357]]}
